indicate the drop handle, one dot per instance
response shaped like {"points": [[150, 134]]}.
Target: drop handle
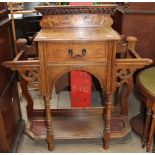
{"points": [[84, 52], [71, 53]]}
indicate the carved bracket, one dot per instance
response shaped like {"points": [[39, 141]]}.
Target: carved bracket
{"points": [[31, 76], [126, 67], [124, 76]]}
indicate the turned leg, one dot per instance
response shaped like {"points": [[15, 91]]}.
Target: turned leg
{"points": [[152, 130], [49, 123], [146, 128], [106, 135]]}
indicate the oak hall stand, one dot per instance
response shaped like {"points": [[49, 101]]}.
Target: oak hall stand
{"points": [[78, 38]]}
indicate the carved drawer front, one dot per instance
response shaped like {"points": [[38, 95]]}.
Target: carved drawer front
{"points": [[76, 51]]}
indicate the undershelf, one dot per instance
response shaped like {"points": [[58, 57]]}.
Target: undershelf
{"points": [[77, 127]]}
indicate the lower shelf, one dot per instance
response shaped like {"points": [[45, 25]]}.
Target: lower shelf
{"points": [[77, 127]]}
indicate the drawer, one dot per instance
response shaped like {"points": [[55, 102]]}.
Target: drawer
{"points": [[76, 51]]}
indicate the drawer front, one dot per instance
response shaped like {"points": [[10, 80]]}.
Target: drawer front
{"points": [[57, 51]]}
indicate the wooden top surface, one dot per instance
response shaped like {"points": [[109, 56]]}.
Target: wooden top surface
{"points": [[77, 34]]}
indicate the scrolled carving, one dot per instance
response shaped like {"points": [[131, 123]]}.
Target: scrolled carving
{"points": [[123, 76], [31, 76]]}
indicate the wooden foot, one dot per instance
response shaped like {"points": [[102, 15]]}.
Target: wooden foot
{"points": [[49, 123], [106, 140], [50, 142]]}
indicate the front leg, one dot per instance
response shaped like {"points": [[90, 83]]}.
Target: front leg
{"points": [[106, 134], [49, 123]]}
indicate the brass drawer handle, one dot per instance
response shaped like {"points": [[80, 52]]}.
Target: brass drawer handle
{"points": [[70, 52]]}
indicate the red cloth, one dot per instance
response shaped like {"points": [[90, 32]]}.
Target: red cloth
{"points": [[80, 89]]}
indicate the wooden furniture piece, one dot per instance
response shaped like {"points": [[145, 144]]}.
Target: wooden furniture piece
{"points": [[146, 87], [127, 20], [131, 19], [78, 38], [11, 123]]}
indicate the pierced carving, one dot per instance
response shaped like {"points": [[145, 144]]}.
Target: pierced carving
{"points": [[31, 76], [123, 76]]}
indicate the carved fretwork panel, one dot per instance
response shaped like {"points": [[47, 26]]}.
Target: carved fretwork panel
{"points": [[124, 76], [124, 69], [31, 76]]}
